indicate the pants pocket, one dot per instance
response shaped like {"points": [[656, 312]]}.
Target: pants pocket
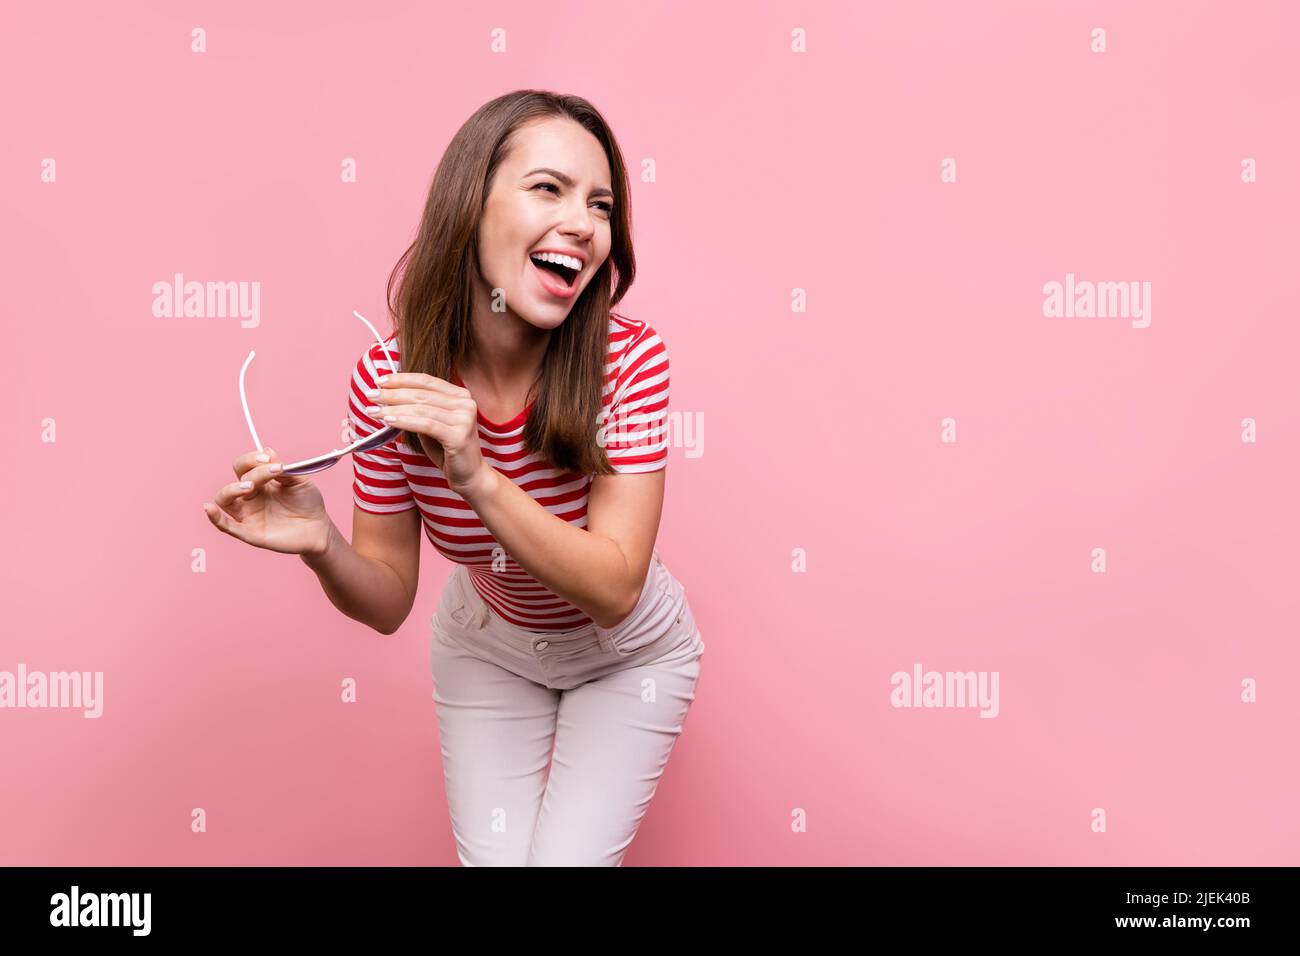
{"points": [[660, 612], [460, 608]]}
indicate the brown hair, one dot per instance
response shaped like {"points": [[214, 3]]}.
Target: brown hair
{"points": [[433, 304]]}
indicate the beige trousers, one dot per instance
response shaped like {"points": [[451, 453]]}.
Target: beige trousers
{"points": [[553, 744]]}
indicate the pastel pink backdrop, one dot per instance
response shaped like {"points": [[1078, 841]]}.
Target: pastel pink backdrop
{"points": [[775, 171]]}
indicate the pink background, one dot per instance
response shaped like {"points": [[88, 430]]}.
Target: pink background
{"points": [[776, 171]]}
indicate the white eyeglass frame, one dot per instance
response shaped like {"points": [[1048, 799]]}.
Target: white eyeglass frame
{"points": [[317, 463]]}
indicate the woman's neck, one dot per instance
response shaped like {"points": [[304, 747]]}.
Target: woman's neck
{"points": [[505, 354]]}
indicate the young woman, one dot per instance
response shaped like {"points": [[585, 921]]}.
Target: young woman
{"points": [[532, 452]]}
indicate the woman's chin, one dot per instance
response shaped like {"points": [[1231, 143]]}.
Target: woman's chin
{"points": [[546, 314]]}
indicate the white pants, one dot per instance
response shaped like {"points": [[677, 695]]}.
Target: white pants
{"points": [[553, 744]]}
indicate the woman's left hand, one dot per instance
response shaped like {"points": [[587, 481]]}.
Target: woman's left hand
{"points": [[443, 415]]}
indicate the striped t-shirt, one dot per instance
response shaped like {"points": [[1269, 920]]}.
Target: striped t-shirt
{"points": [[396, 477]]}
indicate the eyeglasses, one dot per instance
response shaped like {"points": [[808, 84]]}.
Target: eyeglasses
{"points": [[320, 462]]}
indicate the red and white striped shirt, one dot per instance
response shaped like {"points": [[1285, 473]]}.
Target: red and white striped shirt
{"points": [[397, 477]]}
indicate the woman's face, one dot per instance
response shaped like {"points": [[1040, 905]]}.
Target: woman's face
{"points": [[565, 210]]}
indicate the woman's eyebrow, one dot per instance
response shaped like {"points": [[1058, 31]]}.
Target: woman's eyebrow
{"points": [[566, 179]]}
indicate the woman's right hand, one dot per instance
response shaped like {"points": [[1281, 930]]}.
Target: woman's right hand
{"points": [[279, 512]]}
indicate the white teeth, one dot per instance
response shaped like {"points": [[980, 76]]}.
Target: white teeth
{"points": [[569, 261]]}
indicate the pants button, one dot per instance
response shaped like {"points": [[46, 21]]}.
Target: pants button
{"points": [[542, 645]]}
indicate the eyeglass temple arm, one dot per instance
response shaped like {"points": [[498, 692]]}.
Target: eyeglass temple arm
{"points": [[243, 397], [378, 338], [243, 394]]}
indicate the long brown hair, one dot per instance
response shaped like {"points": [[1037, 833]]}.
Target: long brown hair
{"points": [[434, 296]]}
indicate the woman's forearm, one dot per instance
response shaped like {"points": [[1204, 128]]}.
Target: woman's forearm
{"points": [[365, 589], [587, 570]]}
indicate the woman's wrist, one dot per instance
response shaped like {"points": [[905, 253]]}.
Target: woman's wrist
{"points": [[317, 556], [481, 487]]}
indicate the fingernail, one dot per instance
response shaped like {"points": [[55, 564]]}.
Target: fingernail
{"points": [[245, 484], [264, 457], [277, 466], [381, 380]]}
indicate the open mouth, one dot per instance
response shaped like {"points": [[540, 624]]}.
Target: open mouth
{"points": [[567, 276]]}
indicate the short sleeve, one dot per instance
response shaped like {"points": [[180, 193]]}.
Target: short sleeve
{"points": [[636, 429], [379, 482]]}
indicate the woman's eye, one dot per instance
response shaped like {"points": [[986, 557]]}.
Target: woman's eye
{"points": [[607, 207]]}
